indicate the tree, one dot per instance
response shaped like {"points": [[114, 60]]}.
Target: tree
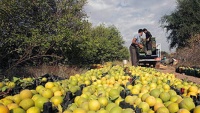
{"points": [[34, 32], [189, 56], [183, 23], [102, 44]]}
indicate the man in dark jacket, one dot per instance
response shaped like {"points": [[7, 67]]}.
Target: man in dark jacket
{"points": [[148, 39]]}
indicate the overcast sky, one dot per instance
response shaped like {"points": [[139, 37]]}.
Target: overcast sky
{"points": [[130, 15]]}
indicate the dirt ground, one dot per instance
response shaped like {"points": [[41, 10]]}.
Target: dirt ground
{"points": [[170, 69]]}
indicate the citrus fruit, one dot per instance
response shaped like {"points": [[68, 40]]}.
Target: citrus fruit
{"points": [[158, 105], [11, 85], [56, 100], [118, 100], [187, 103], [193, 89], [137, 101], [12, 106], [173, 98], [197, 109], [76, 99], [173, 107], [191, 94], [17, 99], [24, 94], [33, 110], [150, 111], [179, 99], [162, 110], [67, 111], [38, 88], [5, 101], [128, 110], [116, 109], [4, 109], [103, 101], [144, 96], [17, 110], [150, 100], [79, 110], [81, 100], [166, 87], [91, 112], [57, 93], [164, 96], [113, 94], [129, 87], [144, 106], [72, 107], [158, 100], [44, 79], [167, 103], [26, 103], [49, 85], [130, 99], [183, 111], [54, 89], [36, 96], [33, 92], [110, 106], [85, 106], [135, 91], [102, 111], [47, 93], [9, 97], [40, 101], [155, 93], [87, 82], [172, 93], [94, 105]]}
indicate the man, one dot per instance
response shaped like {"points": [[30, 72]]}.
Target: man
{"points": [[136, 43], [148, 39]]}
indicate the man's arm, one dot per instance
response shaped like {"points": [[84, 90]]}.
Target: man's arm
{"points": [[134, 42]]}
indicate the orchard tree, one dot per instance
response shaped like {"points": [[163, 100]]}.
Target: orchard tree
{"points": [[183, 23], [37, 31], [34, 32]]}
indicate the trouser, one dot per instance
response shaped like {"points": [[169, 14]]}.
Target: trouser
{"points": [[134, 52], [149, 45]]}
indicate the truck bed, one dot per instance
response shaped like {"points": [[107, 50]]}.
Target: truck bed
{"points": [[148, 56]]}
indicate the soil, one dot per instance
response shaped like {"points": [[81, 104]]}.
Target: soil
{"points": [[170, 69]]}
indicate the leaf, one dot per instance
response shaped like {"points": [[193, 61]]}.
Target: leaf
{"points": [[4, 88], [6, 80], [15, 79]]}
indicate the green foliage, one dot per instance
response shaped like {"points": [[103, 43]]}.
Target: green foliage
{"points": [[47, 31], [183, 23], [103, 44]]}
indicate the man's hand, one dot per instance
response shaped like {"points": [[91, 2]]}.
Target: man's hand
{"points": [[140, 46]]}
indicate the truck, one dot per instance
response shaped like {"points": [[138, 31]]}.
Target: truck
{"points": [[151, 57]]}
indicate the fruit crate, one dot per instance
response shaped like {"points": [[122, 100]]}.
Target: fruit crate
{"points": [[189, 71]]}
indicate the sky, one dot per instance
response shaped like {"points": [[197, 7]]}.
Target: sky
{"points": [[130, 15]]}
